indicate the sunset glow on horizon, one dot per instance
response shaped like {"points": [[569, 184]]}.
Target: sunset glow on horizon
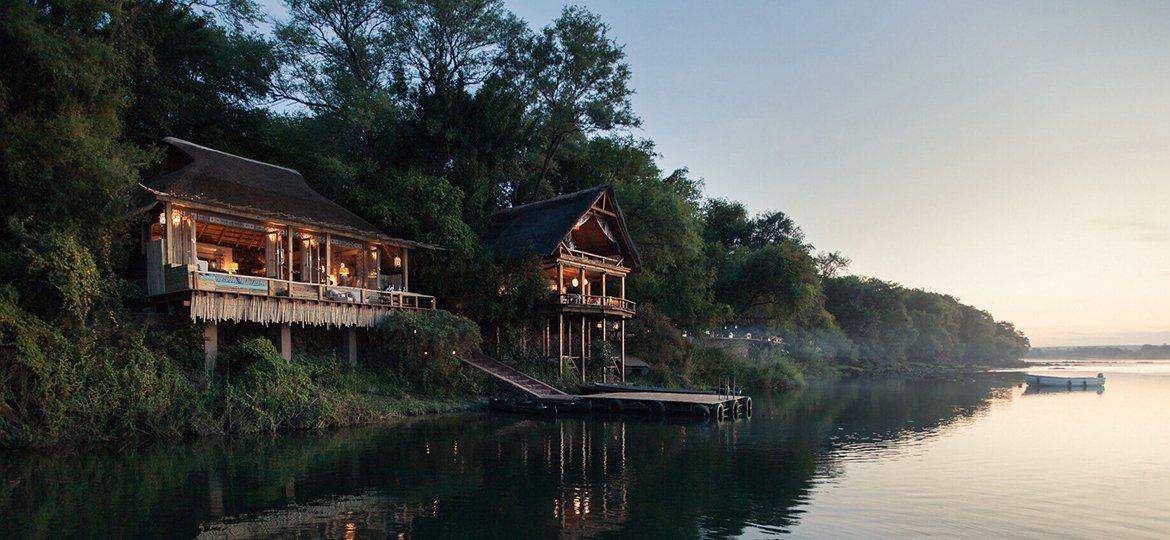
{"points": [[1014, 156]]}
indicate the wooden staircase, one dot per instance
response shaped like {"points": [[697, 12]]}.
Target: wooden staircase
{"points": [[519, 380]]}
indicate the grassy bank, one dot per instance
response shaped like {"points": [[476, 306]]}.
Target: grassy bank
{"points": [[59, 388]]}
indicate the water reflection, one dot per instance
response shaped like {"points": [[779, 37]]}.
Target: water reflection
{"points": [[482, 475]]}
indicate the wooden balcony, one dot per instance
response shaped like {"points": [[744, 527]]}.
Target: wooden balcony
{"points": [[216, 296], [577, 256], [610, 305]]}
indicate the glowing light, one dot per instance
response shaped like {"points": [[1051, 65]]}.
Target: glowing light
{"points": [[576, 283], [162, 218], [397, 262]]}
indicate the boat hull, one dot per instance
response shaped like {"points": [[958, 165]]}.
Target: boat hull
{"points": [[1064, 382]]}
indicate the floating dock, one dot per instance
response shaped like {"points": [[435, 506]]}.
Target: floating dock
{"points": [[715, 406]]}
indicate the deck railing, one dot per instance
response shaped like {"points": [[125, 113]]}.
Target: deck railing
{"points": [[281, 288], [612, 261], [601, 302]]}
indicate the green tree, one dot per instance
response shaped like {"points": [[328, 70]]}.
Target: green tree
{"points": [[578, 85]]}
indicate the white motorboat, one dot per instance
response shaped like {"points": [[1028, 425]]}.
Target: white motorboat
{"points": [[1068, 382]]}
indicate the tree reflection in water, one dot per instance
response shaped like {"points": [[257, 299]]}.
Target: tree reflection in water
{"points": [[484, 475]]}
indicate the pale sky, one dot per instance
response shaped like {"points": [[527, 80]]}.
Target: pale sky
{"points": [[1012, 154], [1015, 155]]}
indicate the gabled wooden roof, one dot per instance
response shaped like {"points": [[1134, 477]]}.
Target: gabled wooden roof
{"points": [[538, 228], [219, 180]]}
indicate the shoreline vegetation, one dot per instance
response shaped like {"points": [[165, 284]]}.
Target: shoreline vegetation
{"points": [[421, 141]]}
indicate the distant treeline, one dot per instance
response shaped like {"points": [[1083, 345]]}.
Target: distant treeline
{"points": [[1145, 352], [422, 116]]}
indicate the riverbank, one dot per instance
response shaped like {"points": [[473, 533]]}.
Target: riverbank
{"points": [[257, 391]]}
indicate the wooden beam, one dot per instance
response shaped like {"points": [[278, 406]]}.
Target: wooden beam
{"points": [[582, 348], [167, 234], [289, 257], [210, 347], [351, 345], [286, 341], [623, 353], [561, 342]]}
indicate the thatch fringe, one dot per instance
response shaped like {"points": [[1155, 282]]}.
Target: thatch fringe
{"points": [[216, 307]]}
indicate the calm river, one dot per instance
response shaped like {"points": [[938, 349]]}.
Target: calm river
{"points": [[968, 457]]}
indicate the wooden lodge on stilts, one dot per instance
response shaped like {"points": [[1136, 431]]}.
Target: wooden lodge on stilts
{"points": [[586, 254], [229, 241]]}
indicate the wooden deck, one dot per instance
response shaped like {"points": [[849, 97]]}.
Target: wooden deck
{"points": [[717, 406]]}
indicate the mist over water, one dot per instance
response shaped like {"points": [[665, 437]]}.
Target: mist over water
{"points": [[971, 456]]}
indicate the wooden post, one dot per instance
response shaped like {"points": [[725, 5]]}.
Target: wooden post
{"points": [[405, 269], [328, 256], [351, 345], [623, 287], [210, 347], [560, 280], [604, 277], [289, 266], [286, 341], [623, 331], [561, 341], [167, 259], [582, 347]]}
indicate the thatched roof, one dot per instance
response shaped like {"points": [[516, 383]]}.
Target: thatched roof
{"points": [[538, 228], [207, 177]]}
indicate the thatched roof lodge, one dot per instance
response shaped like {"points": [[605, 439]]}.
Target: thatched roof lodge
{"points": [[234, 240], [586, 253]]}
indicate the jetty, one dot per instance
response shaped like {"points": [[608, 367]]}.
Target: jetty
{"points": [[715, 406]]}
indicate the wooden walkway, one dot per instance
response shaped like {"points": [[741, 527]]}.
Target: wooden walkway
{"points": [[518, 379], [713, 405]]}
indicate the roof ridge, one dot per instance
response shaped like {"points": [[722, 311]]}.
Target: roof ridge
{"points": [[550, 200], [181, 142]]}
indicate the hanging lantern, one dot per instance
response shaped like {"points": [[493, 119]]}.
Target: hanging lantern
{"points": [[397, 262], [175, 215], [162, 218], [576, 283]]}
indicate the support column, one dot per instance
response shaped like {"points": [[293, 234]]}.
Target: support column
{"points": [[582, 347], [286, 341], [351, 345], [289, 266], [210, 347], [561, 341], [405, 270], [623, 330]]}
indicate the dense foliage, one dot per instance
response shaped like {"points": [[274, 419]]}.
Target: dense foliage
{"points": [[423, 116]]}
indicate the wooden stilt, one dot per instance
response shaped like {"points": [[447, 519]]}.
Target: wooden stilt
{"points": [[210, 347], [623, 338], [582, 348], [561, 342], [286, 341], [351, 345]]}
